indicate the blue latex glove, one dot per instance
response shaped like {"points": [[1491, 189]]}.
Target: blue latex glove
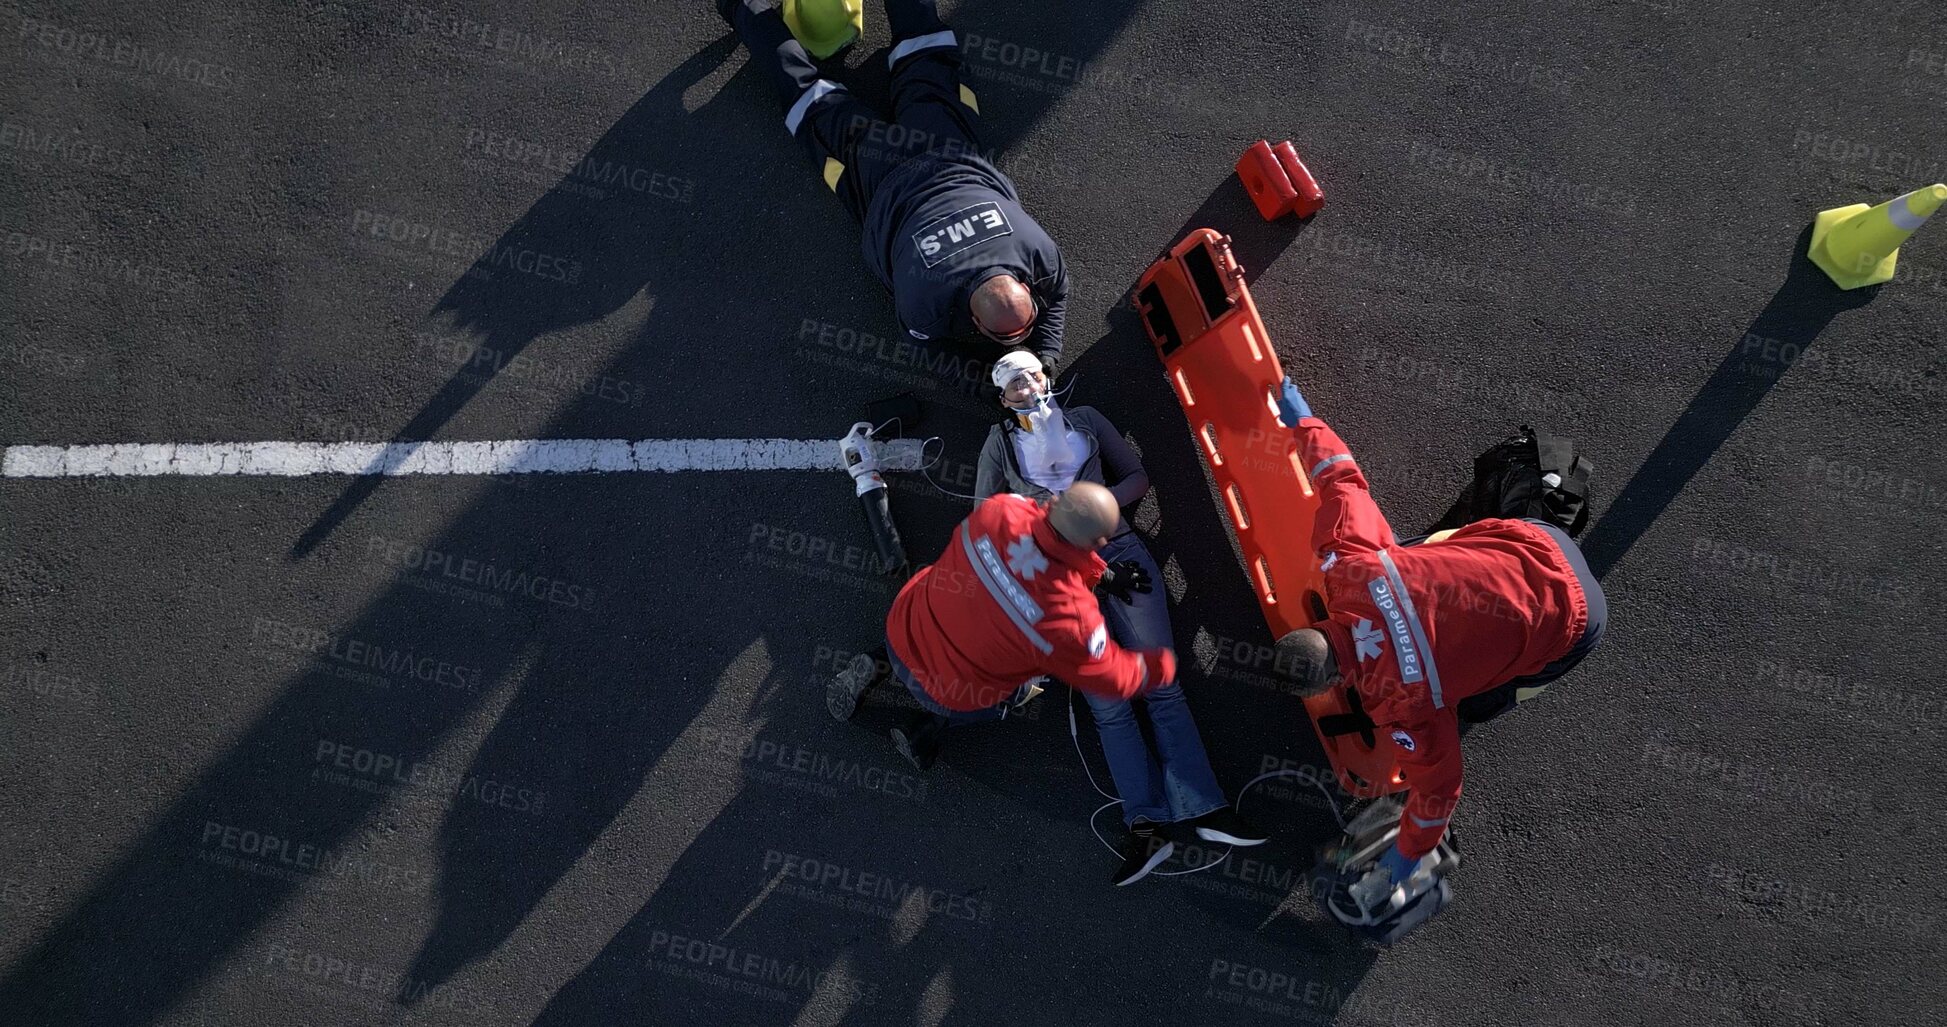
{"points": [[1292, 405], [1397, 864]]}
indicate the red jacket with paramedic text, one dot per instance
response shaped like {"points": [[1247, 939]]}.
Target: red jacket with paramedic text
{"points": [[1009, 601], [1418, 629]]}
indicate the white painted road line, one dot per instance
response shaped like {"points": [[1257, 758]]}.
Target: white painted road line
{"points": [[516, 456]]}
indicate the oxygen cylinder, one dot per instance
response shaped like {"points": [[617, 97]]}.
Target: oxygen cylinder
{"points": [[861, 461]]}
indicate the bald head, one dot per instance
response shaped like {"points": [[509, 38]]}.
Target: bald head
{"points": [[1085, 515], [1002, 307], [1304, 658]]}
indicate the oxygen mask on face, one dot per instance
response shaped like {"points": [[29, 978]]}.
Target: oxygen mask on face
{"points": [[1037, 406]]}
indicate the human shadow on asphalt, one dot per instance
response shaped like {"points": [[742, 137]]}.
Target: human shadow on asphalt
{"points": [[1760, 358], [700, 265], [828, 913], [607, 695], [615, 246], [579, 734]]}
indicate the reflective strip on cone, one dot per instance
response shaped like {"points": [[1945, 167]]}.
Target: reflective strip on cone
{"points": [[1902, 213]]}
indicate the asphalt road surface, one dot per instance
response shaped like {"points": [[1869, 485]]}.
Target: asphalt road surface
{"points": [[552, 749]]}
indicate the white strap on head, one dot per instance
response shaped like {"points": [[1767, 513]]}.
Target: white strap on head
{"points": [[1013, 365]]}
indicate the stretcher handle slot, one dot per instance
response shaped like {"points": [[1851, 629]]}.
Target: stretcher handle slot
{"points": [[1264, 583], [1209, 434], [1298, 471], [1250, 339], [1183, 387], [1238, 514]]}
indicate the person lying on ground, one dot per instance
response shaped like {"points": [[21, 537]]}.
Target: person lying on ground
{"points": [[1169, 794], [944, 229]]}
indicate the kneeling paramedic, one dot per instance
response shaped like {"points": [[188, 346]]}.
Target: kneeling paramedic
{"points": [[1423, 634], [943, 228], [1010, 602]]}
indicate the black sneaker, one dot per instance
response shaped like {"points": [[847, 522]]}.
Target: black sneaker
{"points": [[1224, 825], [919, 740], [1180, 833], [1141, 854], [848, 686]]}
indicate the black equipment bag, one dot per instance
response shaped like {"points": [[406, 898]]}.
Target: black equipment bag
{"points": [[1533, 474]]}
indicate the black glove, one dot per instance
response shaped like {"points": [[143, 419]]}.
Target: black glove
{"points": [[1123, 579]]}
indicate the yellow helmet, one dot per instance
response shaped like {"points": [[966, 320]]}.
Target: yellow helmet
{"points": [[825, 26]]}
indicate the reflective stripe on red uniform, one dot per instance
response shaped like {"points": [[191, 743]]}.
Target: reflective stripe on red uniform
{"points": [[1009, 600], [1418, 629]]}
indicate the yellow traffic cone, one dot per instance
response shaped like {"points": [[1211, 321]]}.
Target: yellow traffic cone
{"points": [[825, 26], [1858, 245]]}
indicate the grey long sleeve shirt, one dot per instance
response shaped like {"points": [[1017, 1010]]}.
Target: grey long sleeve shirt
{"points": [[1111, 461]]}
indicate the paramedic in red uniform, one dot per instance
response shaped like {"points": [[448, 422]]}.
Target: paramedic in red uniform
{"points": [[1456, 627], [1012, 600]]}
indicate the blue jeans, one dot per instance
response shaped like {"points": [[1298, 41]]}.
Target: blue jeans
{"points": [[1175, 782], [954, 718]]}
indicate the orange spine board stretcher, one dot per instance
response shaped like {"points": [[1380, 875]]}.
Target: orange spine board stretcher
{"points": [[1199, 313]]}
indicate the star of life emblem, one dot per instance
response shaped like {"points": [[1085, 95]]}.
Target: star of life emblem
{"points": [[1024, 558], [1367, 637]]}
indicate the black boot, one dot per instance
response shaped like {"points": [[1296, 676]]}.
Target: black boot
{"points": [[919, 739], [849, 685]]}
